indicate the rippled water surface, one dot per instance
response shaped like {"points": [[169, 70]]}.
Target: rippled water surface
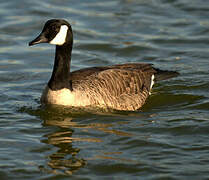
{"points": [[166, 139]]}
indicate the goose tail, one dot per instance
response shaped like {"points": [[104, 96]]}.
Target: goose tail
{"points": [[163, 74]]}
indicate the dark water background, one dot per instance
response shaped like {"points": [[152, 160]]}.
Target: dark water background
{"points": [[167, 139]]}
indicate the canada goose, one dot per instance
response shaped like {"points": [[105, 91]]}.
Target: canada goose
{"points": [[120, 87]]}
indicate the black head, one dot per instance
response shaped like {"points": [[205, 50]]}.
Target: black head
{"points": [[55, 31]]}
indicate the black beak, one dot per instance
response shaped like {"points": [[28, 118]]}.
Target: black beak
{"points": [[40, 39]]}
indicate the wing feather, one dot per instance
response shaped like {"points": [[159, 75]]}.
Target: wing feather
{"points": [[122, 89]]}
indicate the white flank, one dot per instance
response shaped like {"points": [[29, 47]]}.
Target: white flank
{"points": [[152, 82], [61, 36]]}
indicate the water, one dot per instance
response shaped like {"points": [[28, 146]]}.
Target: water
{"points": [[166, 139]]}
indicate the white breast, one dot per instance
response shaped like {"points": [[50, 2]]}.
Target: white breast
{"points": [[64, 97]]}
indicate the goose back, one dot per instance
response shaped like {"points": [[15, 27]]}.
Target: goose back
{"points": [[121, 87]]}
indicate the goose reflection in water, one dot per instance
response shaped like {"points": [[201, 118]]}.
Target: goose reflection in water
{"points": [[67, 159]]}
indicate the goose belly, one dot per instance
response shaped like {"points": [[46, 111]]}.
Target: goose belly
{"points": [[64, 97]]}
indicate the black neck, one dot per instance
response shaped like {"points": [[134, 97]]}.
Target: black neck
{"points": [[61, 72]]}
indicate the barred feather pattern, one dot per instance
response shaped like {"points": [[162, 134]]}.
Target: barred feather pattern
{"points": [[120, 87]]}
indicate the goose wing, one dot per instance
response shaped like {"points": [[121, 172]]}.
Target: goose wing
{"points": [[86, 72], [120, 87]]}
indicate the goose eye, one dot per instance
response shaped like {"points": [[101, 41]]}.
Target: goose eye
{"points": [[55, 28]]}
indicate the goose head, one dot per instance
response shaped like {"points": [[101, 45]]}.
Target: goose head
{"points": [[55, 31]]}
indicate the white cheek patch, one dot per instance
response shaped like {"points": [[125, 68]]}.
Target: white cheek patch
{"points": [[61, 36]]}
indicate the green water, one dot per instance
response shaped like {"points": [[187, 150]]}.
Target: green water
{"points": [[166, 139]]}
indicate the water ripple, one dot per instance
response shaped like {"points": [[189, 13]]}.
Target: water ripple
{"points": [[166, 139]]}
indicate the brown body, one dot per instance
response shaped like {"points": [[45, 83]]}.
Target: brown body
{"points": [[120, 87]]}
